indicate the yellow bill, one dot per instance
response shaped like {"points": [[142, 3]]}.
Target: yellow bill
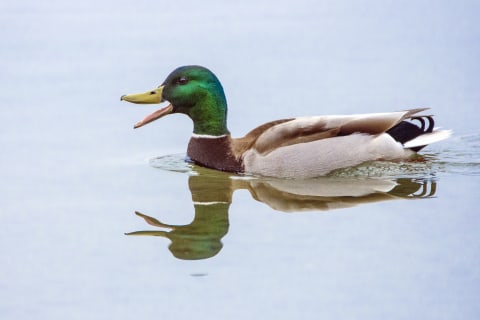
{"points": [[149, 97]]}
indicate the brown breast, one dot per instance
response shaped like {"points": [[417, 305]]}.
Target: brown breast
{"points": [[215, 153]]}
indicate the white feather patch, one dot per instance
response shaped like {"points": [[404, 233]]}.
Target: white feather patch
{"points": [[427, 138], [207, 136], [209, 203], [317, 158]]}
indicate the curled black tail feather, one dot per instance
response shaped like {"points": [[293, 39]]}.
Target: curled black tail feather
{"points": [[406, 131], [422, 119]]}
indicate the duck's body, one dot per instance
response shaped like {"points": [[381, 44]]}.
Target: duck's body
{"points": [[295, 148]]}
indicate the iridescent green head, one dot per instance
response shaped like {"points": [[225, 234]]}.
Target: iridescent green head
{"points": [[194, 91]]}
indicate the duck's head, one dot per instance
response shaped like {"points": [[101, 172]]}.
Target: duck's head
{"points": [[192, 90]]}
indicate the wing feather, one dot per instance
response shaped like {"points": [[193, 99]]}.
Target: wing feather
{"points": [[280, 133]]}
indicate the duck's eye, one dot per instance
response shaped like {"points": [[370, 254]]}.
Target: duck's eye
{"points": [[182, 80]]}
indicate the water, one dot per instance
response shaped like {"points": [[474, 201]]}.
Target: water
{"points": [[103, 221]]}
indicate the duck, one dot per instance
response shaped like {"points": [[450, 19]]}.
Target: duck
{"points": [[298, 147]]}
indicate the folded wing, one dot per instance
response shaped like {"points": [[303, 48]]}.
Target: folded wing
{"points": [[274, 135]]}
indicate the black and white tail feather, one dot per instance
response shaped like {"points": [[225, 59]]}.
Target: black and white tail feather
{"points": [[416, 137]]}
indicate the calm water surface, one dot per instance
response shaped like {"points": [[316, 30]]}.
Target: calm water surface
{"points": [[100, 221]]}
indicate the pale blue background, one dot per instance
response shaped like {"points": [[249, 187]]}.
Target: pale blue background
{"points": [[73, 170]]}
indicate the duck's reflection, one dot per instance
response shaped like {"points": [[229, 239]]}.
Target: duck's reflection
{"points": [[212, 195]]}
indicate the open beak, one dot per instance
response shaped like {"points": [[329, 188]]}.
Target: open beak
{"points": [[149, 97]]}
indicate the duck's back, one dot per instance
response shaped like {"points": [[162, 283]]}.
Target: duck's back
{"points": [[314, 146]]}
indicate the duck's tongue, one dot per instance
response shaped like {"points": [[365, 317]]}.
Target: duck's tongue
{"points": [[154, 116]]}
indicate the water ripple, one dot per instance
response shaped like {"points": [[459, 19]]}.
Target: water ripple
{"points": [[172, 162]]}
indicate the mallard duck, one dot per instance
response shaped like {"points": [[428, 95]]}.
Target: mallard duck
{"points": [[302, 147]]}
